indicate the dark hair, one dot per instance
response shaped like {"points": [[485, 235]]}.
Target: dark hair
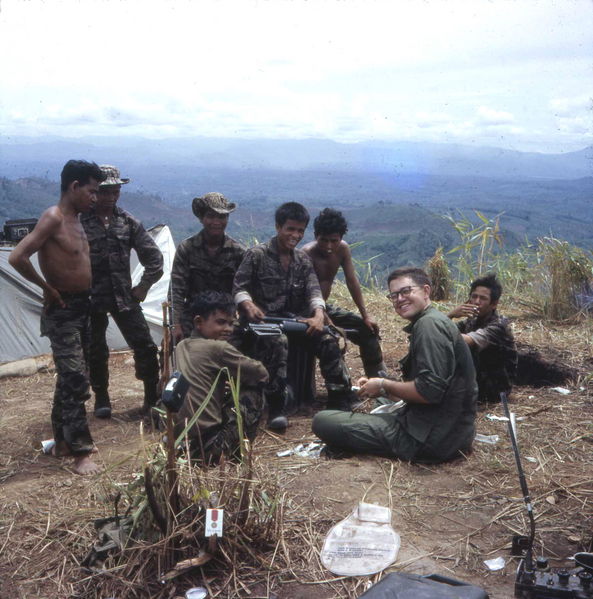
{"points": [[416, 274], [81, 171], [330, 221], [491, 282], [209, 302], [292, 211]]}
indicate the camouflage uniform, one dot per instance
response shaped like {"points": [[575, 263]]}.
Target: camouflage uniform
{"points": [[110, 249], [261, 278], [68, 330], [494, 353], [200, 360], [368, 343], [194, 270]]}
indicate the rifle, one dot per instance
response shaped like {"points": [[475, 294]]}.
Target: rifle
{"points": [[277, 325], [176, 385]]}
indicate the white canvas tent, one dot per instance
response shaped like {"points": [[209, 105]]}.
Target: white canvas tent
{"points": [[21, 303]]}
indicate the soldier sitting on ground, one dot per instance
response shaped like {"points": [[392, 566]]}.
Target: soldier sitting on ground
{"points": [[276, 279], [329, 252], [200, 359], [490, 338], [113, 233], [439, 388]]}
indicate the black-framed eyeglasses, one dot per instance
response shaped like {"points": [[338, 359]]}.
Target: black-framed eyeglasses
{"points": [[403, 293]]}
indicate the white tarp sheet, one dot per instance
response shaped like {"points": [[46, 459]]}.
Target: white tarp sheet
{"points": [[21, 303]]}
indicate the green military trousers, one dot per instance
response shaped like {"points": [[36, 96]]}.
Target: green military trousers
{"points": [[376, 434]]}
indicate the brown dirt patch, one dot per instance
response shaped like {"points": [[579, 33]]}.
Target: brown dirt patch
{"points": [[450, 517]]}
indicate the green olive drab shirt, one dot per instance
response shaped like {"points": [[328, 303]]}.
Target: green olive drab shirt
{"points": [[441, 366], [110, 249], [200, 360]]}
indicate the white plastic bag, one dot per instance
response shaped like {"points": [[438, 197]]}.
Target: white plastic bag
{"points": [[362, 544]]}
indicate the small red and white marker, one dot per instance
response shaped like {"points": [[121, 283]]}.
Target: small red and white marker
{"points": [[214, 520]]}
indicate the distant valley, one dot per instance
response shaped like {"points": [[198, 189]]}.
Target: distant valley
{"points": [[393, 207]]}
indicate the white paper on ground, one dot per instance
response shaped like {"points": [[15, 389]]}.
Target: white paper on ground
{"points": [[495, 564], [362, 544], [560, 390], [490, 439]]}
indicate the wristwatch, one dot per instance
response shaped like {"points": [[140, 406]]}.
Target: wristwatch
{"points": [[382, 391]]}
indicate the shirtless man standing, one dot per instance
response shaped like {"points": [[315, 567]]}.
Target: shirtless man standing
{"points": [[64, 262], [328, 253]]}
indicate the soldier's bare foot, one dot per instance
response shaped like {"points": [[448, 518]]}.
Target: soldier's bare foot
{"points": [[84, 466]]}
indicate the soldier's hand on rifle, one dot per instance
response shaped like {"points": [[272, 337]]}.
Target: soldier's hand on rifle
{"points": [[139, 294], [315, 323], [371, 324], [253, 313], [178, 335]]}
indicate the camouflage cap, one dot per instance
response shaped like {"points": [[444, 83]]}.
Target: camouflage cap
{"points": [[113, 175], [212, 201]]}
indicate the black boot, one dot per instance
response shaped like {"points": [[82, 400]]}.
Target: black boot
{"points": [[102, 404], [276, 416], [150, 396]]}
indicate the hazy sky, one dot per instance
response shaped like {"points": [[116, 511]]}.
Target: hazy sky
{"points": [[510, 73]]}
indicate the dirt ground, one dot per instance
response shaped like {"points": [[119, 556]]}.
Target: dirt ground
{"points": [[450, 517]]}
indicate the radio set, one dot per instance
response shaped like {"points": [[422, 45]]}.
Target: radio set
{"points": [[537, 580]]}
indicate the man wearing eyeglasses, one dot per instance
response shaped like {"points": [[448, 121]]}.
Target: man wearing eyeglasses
{"points": [[490, 338], [438, 390]]}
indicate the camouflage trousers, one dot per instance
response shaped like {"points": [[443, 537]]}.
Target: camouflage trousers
{"points": [[135, 331], [225, 439], [272, 352], [68, 330], [368, 343]]}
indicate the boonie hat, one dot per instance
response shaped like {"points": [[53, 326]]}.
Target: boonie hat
{"points": [[212, 201], [113, 175]]}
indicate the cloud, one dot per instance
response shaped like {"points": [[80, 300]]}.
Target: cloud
{"points": [[571, 107], [488, 117], [426, 120]]}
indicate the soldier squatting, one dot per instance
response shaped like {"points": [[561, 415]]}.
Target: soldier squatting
{"points": [[84, 245]]}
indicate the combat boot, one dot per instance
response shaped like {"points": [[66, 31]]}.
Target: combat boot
{"points": [[102, 405], [150, 397], [276, 416]]}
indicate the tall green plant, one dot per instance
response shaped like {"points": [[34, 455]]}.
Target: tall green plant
{"points": [[475, 252], [365, 271]]}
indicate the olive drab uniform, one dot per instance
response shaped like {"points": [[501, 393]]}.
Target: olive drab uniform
{"points": [[68, 330], [262, 278], [110, 248], [440, 364], [194, 271], [201, 360], [495, 355]]}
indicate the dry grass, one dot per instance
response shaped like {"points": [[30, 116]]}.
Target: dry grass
{"points": [[451, 517], [438, 271]]}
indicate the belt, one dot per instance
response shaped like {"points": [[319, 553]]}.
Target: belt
{"points": [[70, 295]]}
